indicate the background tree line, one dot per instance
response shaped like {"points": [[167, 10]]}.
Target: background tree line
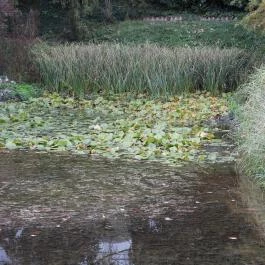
{"points": [[22, 17]]}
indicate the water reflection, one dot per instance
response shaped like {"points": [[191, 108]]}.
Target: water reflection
{"points": [[115, 252], [19, 233], [196, 239], [62, 210], [153, 225], [4, 259]]}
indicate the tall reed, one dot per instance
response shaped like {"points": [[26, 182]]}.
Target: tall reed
{"points": [[147, 68]]}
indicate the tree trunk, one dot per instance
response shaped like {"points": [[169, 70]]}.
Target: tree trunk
{"points": [[74, 15]]}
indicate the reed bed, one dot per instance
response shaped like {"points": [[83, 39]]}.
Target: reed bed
{"points": [[154, 70]]}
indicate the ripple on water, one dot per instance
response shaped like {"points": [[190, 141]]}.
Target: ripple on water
{"points": [[60, 209]]}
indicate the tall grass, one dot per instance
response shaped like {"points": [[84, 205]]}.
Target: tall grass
{"points": [[252, 127], [144, 68]]}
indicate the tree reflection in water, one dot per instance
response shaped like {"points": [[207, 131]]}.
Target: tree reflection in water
{"points": [[4, 259]]}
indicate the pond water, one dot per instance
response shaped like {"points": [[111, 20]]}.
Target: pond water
{"points": [[77, 210]]}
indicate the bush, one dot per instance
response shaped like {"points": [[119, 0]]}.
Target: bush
{"points": [[14, 91], [252, 128], [141, 69]]}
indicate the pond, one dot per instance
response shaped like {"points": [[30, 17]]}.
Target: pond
{"points": [[77, 210]]}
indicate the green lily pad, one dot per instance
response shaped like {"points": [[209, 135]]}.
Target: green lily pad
{"points": [[120, 126]]}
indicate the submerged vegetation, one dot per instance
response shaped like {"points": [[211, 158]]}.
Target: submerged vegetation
{"points": [[117, 126], [157, 71]]}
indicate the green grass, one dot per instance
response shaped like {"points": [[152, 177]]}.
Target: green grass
{"points": [[21, 91], [27, 91], [251, 133], [150, 69], [185, 33]]}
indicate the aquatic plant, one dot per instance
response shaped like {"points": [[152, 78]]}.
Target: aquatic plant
{"points": [[115, 127]]}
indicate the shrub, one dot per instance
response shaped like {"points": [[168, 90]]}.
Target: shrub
{"points": [[16, 91], [26, 91], [140, 69]]}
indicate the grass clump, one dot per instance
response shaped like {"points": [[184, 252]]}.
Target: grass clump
{"points": [[157, 71], [252, 127]]}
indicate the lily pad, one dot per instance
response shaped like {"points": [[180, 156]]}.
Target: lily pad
{"points": [[118, 126]]}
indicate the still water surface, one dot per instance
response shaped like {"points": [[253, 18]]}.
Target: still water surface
{"points": [[75, 210]]}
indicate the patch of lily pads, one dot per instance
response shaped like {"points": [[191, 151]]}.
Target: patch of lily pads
{"points": [[118, 126]]}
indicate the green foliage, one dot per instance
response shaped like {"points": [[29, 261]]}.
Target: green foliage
{"points": [[251, 135], [187, 33], [157, 71], [253, 4], [74, 10], [73, 16], [119, 126], [236, 3], [21, 91], [27, 91], [256, 18]]}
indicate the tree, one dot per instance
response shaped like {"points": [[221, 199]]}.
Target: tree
{"points": [[7, 11], [75, 10]]}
